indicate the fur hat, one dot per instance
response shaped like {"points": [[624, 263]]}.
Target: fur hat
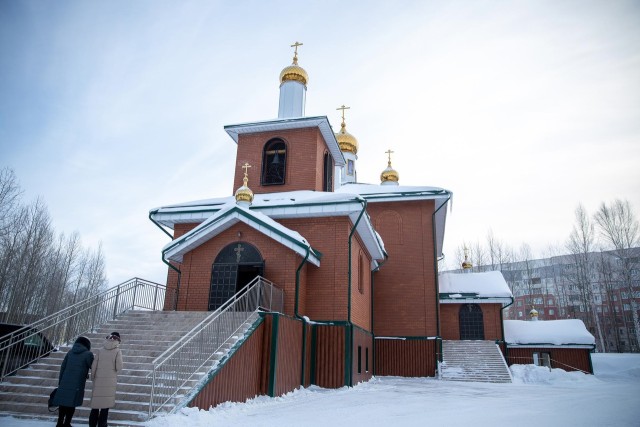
{"points": [[84, 341], [116, 335]]}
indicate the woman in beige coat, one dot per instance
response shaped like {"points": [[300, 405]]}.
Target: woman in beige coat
{"points": [[104, 373]]}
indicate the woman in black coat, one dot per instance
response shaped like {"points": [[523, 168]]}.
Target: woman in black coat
{"points": [[73, 377]]}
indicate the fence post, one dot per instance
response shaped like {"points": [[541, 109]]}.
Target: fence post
{"points": [[155, 297], [115, 305], [135, 294]]}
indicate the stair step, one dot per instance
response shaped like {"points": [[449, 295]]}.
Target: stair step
{"points": [[146, 335], [480, 361]]}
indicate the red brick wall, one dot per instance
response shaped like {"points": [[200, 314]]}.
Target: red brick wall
{"points": [[404, 294], [325, 287], [280, 266], [365, 341], [304, 168], [450, 321]]}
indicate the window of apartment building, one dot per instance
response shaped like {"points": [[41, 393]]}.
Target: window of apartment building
{"points": [[535, 281], [541, 311], [617, 309], [519, 314], [627, 306], [537, 301], [519, 304], [549, 301], [551, 312], [599, 309]]}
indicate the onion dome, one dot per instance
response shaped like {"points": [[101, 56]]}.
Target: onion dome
{"points": [[244, 195], [347, 142], [389, 175], [466, 265], [533, 314], [294, 72]]}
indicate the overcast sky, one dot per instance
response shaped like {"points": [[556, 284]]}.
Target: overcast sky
{"points": [[522, 109]]}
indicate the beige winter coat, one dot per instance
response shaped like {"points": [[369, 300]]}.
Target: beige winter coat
{"points": [[104, 373]]}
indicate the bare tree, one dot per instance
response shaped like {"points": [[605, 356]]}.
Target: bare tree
{"points": [[580, 245], [619, 228]]}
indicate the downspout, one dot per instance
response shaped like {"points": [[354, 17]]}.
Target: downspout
{"points": [[435, 263], [297, 314], [506, 349], [171, 266], [349, 350], [177, 270]]}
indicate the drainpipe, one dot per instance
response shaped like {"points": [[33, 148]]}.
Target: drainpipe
{"points": [[171, 266], [506, 349], [435, 263], [349, 349], [297, 314], [177, 270]]}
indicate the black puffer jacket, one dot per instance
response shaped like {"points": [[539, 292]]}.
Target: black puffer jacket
{"points": [[73, 374]]}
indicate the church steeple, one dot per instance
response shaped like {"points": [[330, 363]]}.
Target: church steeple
{"points": [[293, 88], [349, 147]]}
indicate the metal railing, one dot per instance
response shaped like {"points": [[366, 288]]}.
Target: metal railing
{"points": [[178, 364], [29, 343]]}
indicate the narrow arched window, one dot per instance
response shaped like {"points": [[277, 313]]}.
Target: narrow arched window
{"points": [[327, 182], [274, 162]]}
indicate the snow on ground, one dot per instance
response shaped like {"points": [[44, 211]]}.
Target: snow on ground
{"points": [[537, 397]]}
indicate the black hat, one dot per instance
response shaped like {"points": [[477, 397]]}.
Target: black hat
{"points": [[116, 335], [84, 341]]}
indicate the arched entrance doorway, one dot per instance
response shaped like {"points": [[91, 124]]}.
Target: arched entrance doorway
{"points": [[235, 266], [471, 322]]}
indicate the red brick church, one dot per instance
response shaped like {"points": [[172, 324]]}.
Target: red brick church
{"points": [[357, 262]]}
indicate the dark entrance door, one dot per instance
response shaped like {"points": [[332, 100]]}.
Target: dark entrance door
{"points": [[471, 322], [235, 266]]}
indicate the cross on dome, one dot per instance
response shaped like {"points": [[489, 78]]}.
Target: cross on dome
{"points": [[343, 108], [295, 52]]}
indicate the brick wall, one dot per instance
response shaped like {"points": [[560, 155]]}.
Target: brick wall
{"points": [[450, 321], [304, 167], [404, 293]]}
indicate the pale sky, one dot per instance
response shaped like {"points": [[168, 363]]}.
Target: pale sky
{"points": [[522, 109]]}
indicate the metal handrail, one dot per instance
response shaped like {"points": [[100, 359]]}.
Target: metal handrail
{"points": [[31, 342], [179, 363]]}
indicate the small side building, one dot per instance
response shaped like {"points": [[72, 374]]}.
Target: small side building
{"points": [[564, 344]]}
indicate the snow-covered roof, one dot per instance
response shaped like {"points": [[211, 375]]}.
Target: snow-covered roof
{"points": [[230, 215], [460, 287], [321, 122], [283, 205], [547, 332]]}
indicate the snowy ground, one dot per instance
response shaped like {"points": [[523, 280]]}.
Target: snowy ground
{"points": [[537, 398]]}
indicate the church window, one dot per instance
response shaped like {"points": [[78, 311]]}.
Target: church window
{"points": [[359, 359], [274, 162], [327, 181], [361, 273], [350, 167]]}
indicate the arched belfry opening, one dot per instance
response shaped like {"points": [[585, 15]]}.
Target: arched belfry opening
{"points": [[236, 265], [471, 322]]}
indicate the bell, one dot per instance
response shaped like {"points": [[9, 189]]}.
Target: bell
{"points": [[276, 159]]}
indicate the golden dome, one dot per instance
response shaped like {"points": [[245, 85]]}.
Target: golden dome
{"points": [[389, 175], [294, 73], [244, 193], [533, 313], [346, 141], [466, 265]]}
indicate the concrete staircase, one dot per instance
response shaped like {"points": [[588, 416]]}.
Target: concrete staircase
{"points": [[480, 361], [145, 335]]}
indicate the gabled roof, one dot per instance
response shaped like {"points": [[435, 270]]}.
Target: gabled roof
{"points": [[230, 215], [321, 122], [292, 204], [484, 287]]}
